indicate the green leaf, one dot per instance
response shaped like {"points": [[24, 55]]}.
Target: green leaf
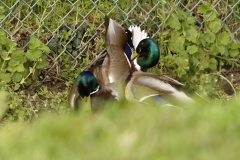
{"points": [[13, 62], [214, 50], [192, 49], [204, 64], [215, 25], [20, 68], [177, 44], [33, 55], [202, 41], [191, 34], [213, 64], [20, 55], [204, 8], [5, 77], [16, 77], [183, 15], [11, 69], [17, 58], [34, 43], [201, 54], [209, 37], [208, 12], [173, 22], [12, 47], [42, 63], [191, 20], [233, 52], [44, 48], [222, 49], [212, 15], [234, 45], [223, 38]]}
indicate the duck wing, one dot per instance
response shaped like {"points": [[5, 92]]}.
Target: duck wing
{"points": [[115, 33], [143, 85], [116, 65]]}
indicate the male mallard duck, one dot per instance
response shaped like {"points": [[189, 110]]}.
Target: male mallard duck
{"points": [[104, 78], [143, 86]]}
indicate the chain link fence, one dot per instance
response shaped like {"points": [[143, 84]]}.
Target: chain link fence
{"points": [[75, 29]]}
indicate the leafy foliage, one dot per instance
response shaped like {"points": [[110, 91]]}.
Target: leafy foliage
{"points": [[20, 71], [17, 66], [193, 53]]}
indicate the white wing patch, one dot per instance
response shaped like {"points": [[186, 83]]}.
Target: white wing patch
{"points": [[137, 35], [145, 97], [110, 79]]}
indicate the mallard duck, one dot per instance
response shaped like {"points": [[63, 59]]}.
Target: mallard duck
{"points": [[105, 73], [143, 86]]}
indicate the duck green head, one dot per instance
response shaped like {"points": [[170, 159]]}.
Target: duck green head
{"points": [[147, 53], [86, 84]]}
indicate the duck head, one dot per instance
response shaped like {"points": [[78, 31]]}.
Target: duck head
{"points": [[86, 85], [144, 51], [147, 54]]}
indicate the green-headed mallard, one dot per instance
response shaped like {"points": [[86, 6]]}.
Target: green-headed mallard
{"points": [[148, 87], [105, 77], [143, 86]]}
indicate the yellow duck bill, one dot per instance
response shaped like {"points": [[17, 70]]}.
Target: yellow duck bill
{"points": [[134, 55], [86, 104]]}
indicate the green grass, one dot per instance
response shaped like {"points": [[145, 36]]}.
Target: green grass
{"points": [[130, 132]]}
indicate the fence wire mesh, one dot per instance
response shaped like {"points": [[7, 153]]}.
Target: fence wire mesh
{"points": [[72, 28]]}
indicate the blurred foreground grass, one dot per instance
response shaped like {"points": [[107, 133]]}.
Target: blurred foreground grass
{"points": [[130, 132]]}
